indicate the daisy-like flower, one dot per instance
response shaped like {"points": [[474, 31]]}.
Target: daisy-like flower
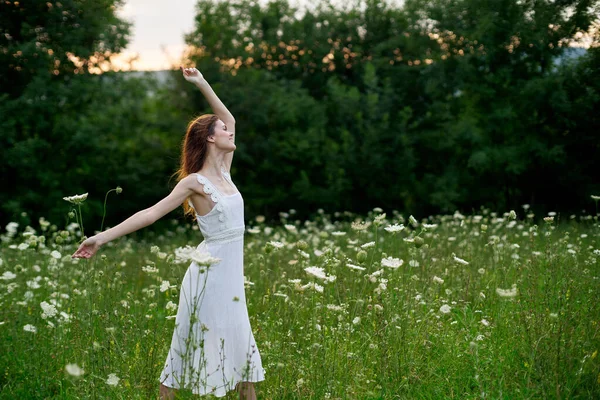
{"points": [[164, 286], [74, 370], [437, 279], [549, 219], [360, 226], [367, 245], [507, 293], [112, 380], [8, 275], [291, 228], [49, 310], [55, 254], [77, 199], [30, 328], [150, 269], [379, 219], [394, 228], [254, 231], [319, 272], [204, 258], [459, 260], [445, 309], [183, 254], [275, 244], [356, 320], [338, 233], [391, 262], [171, 307], [595, 197], [430, 226], [356, 267]]}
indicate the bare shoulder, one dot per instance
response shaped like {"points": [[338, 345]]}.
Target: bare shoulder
{"points": [[191, 181]]}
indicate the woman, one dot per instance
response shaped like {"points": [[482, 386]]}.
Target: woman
{"points": [[212, 348]]}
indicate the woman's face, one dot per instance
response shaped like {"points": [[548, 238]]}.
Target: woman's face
{"points": [[223, 138]]}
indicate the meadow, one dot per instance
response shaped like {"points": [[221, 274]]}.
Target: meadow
{"points": [[343, 306]]}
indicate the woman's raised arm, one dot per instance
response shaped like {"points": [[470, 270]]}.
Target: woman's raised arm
{"points": [[194, 76], [139, 220]]}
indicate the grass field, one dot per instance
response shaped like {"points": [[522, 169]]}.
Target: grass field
{"points": [[452, 306]]}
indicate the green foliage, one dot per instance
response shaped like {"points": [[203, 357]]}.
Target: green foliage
{"points": [[433, 106]]}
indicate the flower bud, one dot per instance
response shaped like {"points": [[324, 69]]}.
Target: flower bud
{"points": [[71, 214], [418, 241], [301, 244], [118, 189], [361, 256]]}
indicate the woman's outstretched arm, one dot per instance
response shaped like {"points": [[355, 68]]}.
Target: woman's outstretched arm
{"points": [[194, 76], [139, 220]]}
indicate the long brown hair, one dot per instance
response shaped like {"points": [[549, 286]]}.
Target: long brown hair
{"points": [[194, 149]]}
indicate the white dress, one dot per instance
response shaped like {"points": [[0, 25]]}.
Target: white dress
{"points": [[213, 347]]}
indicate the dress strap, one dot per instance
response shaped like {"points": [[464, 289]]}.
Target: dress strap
{"points": [[209, 188]]}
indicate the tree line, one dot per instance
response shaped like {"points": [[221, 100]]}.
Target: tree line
{"points": [[431, 106]]}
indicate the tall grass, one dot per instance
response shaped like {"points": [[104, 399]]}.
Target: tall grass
{"points": [[523, 318]]}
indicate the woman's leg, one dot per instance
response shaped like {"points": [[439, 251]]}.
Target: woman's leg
{"points": [[246, 390], [166, 393]]}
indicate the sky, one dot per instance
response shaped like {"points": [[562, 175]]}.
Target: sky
{"points": [[157, 32]]}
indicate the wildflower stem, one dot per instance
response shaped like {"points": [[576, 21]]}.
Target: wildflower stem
{"points": [[80, 221], [104, 213]]}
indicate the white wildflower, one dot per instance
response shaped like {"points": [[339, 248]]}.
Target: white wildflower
{"points": [[437, 279], [394, 228], [30, 328], [74, 370], [391, 262], [76, 199], [112, 380], [8, 275], [164, 286], [445, 309], [49, 310], [355, 267], [459, 260], [509, 293]]}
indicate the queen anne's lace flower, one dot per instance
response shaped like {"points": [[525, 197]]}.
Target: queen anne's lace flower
{"points": [[74, 370], [392, 262], [394, 228], [112, 380], [445, 309], [77, 199]]}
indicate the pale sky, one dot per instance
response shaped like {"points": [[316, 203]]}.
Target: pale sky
{"points": [[157, 32]]}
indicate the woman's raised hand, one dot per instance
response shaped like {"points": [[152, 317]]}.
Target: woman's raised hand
{"points": [[192, 75], [87, 248]]}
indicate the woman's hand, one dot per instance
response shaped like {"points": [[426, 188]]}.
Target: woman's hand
{"points": [[87, 248], [192, 75]]}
